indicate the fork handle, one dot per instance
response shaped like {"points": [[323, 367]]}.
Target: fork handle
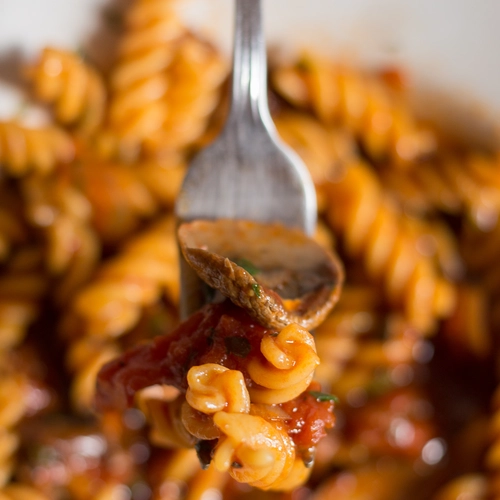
{"points": [[249, 85]]}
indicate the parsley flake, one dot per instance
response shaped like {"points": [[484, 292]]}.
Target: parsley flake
{"points": [[323, 396], [256, 289]]}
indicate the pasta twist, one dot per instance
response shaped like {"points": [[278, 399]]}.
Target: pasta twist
{"points": [[139, 82], [240, 393], [253, 450], [147, 266], [371, 109], [62, 213], [117, 195], [74, 88], [26, 150], [112, 303], [388, 242], [453, 183], [163, 179], [84, 359], [179, 471], [325, 150], [196, 74], [214, 388], [286, 368]]}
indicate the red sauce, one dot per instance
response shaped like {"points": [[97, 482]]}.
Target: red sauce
{"points": [[310, 418], [398, 424], [217, 333]]}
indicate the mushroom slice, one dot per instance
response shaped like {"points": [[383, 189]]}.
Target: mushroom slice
{"points": [[279, 275]]}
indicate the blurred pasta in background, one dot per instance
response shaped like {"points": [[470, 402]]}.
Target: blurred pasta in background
{"points": [[89, 268]]}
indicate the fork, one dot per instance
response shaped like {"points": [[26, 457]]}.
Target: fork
{"points": [[247, 173]]}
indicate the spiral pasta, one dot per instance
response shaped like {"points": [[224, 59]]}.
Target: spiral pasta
{"points": [[84, 359], [136, 277], [62, 213], [74, 88], [453, 183], [39, 150], [325, 150], [163, 179], [88, 271], [118, 197], [373, 111], [214, 388], [195, 75], [286, 368], [252, 450], [112, 303], [374, 229], [139, 81], [179, 474]]}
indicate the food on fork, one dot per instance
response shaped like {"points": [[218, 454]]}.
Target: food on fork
{"points": [[89, 269], [243, 367]]}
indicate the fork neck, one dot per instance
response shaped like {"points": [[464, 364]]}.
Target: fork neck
{"points": [[249, 85]]}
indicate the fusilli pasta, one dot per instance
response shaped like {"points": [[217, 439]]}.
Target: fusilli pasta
{"points": [[75, 89], [371, 109]]}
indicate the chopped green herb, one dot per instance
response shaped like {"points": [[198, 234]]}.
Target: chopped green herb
{"points": [[323, 396], [248, 266], [256, 289], [238, 345]]}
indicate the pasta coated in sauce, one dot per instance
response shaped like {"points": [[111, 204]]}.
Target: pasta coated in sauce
{"points": [[89, 270]]}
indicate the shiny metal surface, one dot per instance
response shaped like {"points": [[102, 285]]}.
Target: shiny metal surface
{"points": [[247, 173]]}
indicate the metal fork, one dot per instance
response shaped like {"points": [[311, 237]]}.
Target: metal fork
{"points": [[247, 173]]}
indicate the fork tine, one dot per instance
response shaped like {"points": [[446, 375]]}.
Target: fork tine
{"points": [[247, 173]]}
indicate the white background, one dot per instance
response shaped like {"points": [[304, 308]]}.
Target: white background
{"points": [[449, 46]]}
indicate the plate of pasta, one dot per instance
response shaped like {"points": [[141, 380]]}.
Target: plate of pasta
{"points": [[360, 363]]}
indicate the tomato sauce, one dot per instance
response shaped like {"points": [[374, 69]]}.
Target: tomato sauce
{"points": [[217, 333], [310, 417]]}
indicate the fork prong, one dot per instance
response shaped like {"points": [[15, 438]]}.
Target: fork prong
{"points": [[247, 173]]}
